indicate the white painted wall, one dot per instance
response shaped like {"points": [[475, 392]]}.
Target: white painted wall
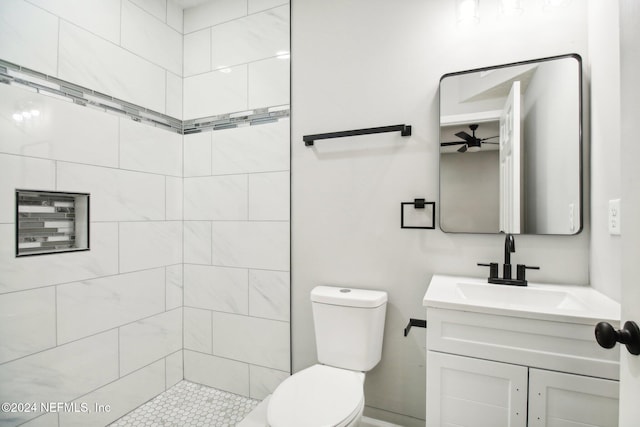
{"points": [[361, 64], [604, 63]]}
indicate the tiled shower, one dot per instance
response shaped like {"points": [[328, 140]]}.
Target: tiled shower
{"points": [[187, 275]]}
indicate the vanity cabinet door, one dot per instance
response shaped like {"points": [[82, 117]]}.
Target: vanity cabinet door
{"points": [[565, 400], [468, 392]]}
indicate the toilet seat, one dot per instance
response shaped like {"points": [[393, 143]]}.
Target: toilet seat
{"points": [[318, 396]]}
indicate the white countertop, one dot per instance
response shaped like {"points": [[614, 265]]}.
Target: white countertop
{"points": [[567, 303]]}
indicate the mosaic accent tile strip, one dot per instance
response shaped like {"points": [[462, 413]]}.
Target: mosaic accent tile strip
{"points": [[190, 405], [13, 74], [47, 222], [226, 121]]}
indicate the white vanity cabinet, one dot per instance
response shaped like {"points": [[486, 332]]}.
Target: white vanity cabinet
{"points": [[558, 399], [464, 391], [516, 357]]}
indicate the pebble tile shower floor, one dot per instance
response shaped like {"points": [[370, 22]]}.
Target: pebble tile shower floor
{"points": [[190, 405]]}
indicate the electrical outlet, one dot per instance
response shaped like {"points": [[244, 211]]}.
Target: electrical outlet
{"points": [[614, 217]]}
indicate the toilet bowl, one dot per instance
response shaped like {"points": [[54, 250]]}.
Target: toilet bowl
{"points": [[319, 396], [349, 325]]}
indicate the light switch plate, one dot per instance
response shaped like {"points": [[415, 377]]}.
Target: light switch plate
{"points": [[614, 217]]}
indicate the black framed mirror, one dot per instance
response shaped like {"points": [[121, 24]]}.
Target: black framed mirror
{"points": [[511, 148]]}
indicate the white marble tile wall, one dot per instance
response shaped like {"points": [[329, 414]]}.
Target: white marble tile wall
{"points": [[238, 52], [269, 196], [174, 369], [95, 63], [116, 194], [173, 277], [266, 84], [59, 374], [197, 242], [236, 258], [28, 36], [17, 274], [216, 198], [252, 244], [256, 36], [149, 244], [213, 13], [150, 149], [198, 335], [150, 339], [217, 372], [217, 288], [197, 52], [29, 324], [127, 49], [149, 37], [264, 381], [47, 136], [122, 397], [216, 209], [248, 149], [23, 172], [173, 198], [103, 325], [265, 342], [236, 268], [91, 306], [216, 92], [269, 294], [101, 17]]}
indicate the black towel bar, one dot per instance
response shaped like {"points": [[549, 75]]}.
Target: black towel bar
{"points": [[405, 130]]}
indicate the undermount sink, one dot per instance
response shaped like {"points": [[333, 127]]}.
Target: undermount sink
{"points": [[577, 304]]}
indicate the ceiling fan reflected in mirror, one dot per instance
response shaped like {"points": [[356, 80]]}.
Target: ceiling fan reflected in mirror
{"points": [[471, 143]]}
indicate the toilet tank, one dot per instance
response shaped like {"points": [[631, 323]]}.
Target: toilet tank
{"points": [[349, 325]]}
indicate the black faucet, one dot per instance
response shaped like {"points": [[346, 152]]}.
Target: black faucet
{"points": [[509, 247], [520, 280]]}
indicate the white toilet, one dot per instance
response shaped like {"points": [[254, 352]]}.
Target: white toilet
{"points": [[349, 325]]}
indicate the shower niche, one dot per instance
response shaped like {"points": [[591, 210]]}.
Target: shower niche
{"points": [[50, 222]]}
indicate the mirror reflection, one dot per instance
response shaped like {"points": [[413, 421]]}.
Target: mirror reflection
{"points": [[511, 148]]}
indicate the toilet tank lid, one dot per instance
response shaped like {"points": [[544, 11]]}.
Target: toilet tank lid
{"points": [[349, 297]]}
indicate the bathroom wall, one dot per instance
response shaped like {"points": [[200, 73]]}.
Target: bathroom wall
{"points": [[131, 50], [229, 234], [604, 54], [236, 56], [236, 199], [363, 64], [102, 326]]}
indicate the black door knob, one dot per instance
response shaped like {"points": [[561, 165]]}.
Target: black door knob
{"points": [[607, 336]]}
